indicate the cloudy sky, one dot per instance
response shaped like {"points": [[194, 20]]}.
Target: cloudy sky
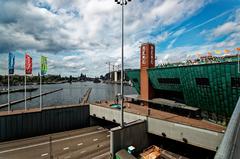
{"points": [[80, 36]]}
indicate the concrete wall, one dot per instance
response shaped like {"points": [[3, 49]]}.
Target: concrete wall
{"points": [[47, 121], [179, 132], [134, 134], [113, 114], [183, 133]]}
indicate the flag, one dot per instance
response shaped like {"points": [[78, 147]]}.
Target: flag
{"points": [[11, 63], [28, 64], [209, 54], [226, 51], [198, 55], [43, 65], [238, 49], [218, 51]]}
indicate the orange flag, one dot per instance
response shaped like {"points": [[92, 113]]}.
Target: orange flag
{"points": [[226, 51], [238, 49]]}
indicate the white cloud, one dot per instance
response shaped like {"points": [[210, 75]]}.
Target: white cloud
{"points": [[230, 27], [73, 57], [226, 28], [171, 43], [175, 10], [85, 34]]}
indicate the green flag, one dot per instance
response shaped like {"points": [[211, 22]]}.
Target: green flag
{"points": [[43, 65]]}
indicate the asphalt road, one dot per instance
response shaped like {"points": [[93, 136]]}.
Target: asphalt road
{"points": [[86, 143]]}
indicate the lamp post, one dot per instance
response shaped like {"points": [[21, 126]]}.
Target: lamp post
{"points": [[122, 3]]}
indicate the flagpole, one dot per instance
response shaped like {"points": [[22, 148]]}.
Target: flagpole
{"points": [[8, 94], [238, 61], [25, 89], [40, 90], [25, 92]]}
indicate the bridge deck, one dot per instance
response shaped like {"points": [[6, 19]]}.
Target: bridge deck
{"points": [[141, 110]]}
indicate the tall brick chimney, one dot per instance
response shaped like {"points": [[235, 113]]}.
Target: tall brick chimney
{"points": [[147, 61]]}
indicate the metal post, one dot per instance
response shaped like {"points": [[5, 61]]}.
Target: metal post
{"points": [[8, 93], [25, 91], [122, 90], [40, 90], [122, 3], [238, 61]]}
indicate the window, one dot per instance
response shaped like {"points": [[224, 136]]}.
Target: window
{"points": [[202, 81], [135, 80], [235, 81], [169, 80]]}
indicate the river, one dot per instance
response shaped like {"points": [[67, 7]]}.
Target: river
{"points": [[71, 94]]}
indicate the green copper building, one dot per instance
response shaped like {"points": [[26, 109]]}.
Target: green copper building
{"points": [[212, 87]]}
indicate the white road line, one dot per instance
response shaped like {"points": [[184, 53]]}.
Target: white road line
{"points": [[54, 141], [100, 128], [100, 156], [83, 151], [65, 148], [95, 140], [80, 144], [45, 154]]}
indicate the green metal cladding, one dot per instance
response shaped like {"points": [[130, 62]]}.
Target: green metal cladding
{"points": [[216, 92], [134, 76]]}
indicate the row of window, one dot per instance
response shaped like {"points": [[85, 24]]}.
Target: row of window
{"points": [[235, 81], [169, 80]]}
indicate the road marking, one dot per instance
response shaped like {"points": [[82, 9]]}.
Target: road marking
{"points": [[67, 157], [54, 141], [45, 154], [95, 140], [83, 151], [108, 135], [80, 144], [100, 156], [65, 148], [100, 128]]}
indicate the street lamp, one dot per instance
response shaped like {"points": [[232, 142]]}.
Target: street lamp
{"points": [[122, 3]]}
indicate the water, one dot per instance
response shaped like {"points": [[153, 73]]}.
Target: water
{"points": [[71, 94]]}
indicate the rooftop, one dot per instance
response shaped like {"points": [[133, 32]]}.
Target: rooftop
{"points": [[158, 114]]}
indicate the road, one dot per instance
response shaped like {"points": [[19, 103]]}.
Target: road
{"points": [[86, 143]]}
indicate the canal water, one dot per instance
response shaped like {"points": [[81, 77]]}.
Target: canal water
{"points": [[71, 94]]}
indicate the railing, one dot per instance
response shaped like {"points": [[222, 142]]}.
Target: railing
{"points": [[230, 145]]}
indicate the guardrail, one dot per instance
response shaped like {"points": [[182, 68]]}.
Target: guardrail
{"points": [[230, 145]]}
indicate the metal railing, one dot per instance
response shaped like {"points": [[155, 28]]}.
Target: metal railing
{"points": [[230, 145]]}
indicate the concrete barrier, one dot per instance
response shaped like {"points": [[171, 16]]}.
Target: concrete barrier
{"points": [[187, 134], [133, 134], [179, 132], [113, 114], [49, 120]]}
